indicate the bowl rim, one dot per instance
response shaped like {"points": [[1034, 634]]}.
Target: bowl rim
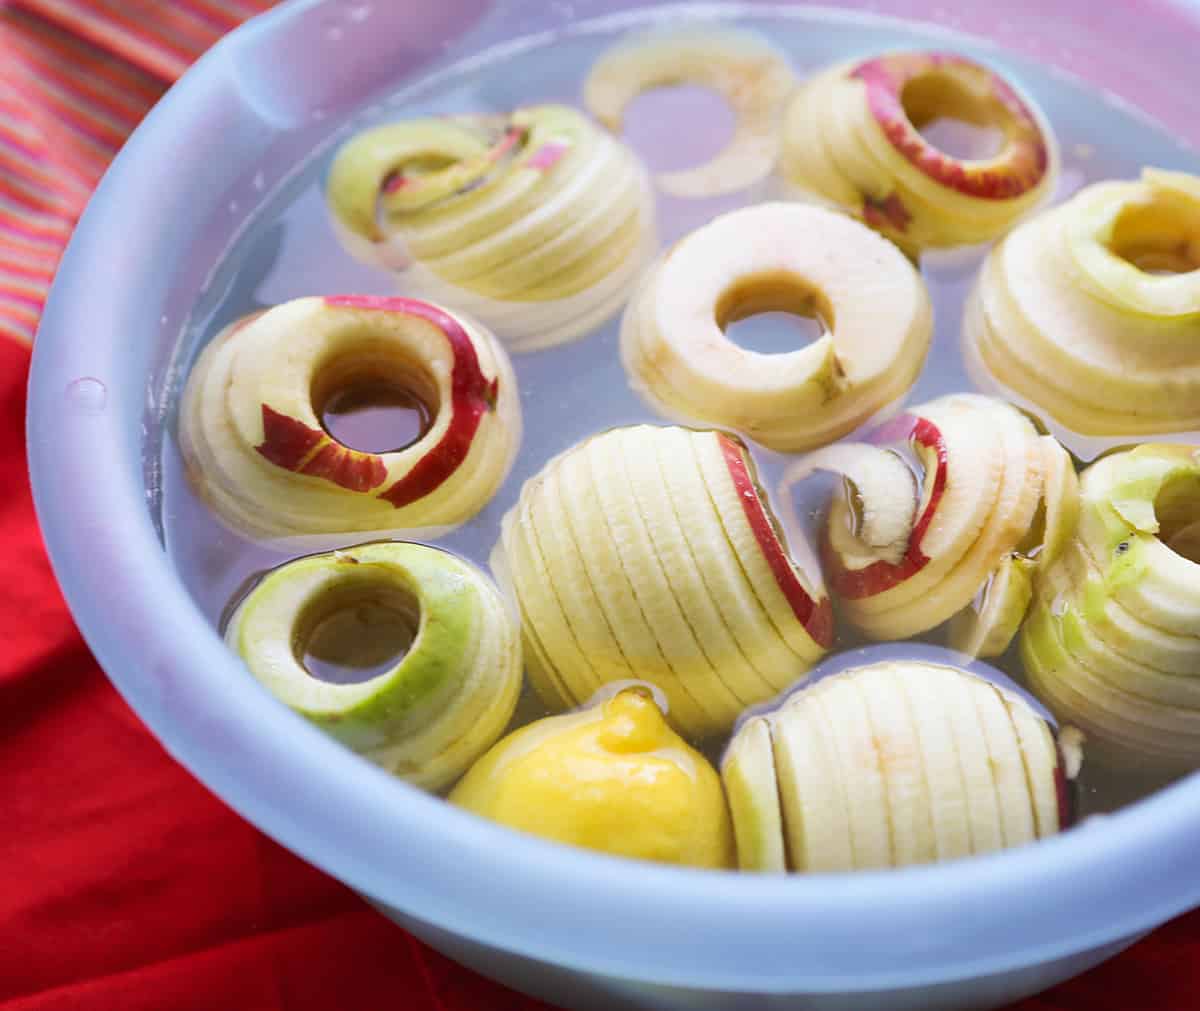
{"points": [[476, 879]]}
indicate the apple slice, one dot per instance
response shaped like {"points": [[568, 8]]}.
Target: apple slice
{"points": [[1073, 312], [891, 764], [740, 66], [252, 436], [882, 492], [748, 770], [988, 624]]}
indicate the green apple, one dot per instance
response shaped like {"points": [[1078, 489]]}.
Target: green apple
{"points": [[438, 707]]}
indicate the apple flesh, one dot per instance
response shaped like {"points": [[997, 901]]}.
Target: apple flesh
{"points": [[892, 764], [741, 66], [852, 137], [984, 497], [441, 704], [789, 258], [1091, 310], [649, 553], [537, 223], [256, 448], [1112, 642]]}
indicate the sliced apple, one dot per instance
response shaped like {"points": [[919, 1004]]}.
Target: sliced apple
{"points": [[740, 66], [1092, 310], [748, 770], [852, 135], [1113, 639], [791, 258], [536, 223], [649, 553], [440, 705], [988, 624], [253, 439], [891, 764]]}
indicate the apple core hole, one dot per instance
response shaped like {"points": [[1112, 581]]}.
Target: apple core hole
{"points": [[677, 127], [373, 404], [1157, 239], [952, 117], [355, 633], [1177, 508], [773, 314]]}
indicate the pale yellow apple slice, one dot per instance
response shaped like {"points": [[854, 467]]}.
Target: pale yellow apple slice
{"points": [[609, 557], [644, 566], [687, 582], [725, 581], [844, 712], [923, 685], [740, 66], [986, 627], [957, 693], [748, 770], [882, 491], [895, 735], [1041, 760], [1061, 499], [814, 799], [795, 601], [1007, 767]]}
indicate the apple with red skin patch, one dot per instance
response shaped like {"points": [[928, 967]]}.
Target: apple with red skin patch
{"points": [[993, 495], [649, 553], [1027, 161], [253, 438], [852, 137]]}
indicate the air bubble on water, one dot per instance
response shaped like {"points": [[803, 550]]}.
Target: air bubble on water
{"points": [[87, 395], [359, 13], [233, 207], [1083, 151], [163, 319], [317, 115], [335, 33], [259, 181]]}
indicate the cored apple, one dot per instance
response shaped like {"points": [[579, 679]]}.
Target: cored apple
{"points": [[258, 451], [536, 223], [852, 136], [650, 553]]}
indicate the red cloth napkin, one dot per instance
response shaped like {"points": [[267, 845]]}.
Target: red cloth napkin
{"points": [[124, 884]]}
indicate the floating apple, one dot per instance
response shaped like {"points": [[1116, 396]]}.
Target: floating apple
{"points": [[612, 777], [252, 436], [852, 136], [430, 712], [787, 257], [1112, 641], [536, 223], [649, 553], [993, 501], [892, 764], [1092, 310], [739, 65]]}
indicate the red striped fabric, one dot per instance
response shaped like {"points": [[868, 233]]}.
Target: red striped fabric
{"points": [[75, 78]]}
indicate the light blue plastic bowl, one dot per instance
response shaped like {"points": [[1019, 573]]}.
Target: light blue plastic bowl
{"points": [[578, 929]]}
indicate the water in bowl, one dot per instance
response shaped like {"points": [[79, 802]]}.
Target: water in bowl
{"points": [[288, 250]]}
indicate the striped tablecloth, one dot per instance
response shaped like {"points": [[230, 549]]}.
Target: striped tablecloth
{"points": [[124, 884]]}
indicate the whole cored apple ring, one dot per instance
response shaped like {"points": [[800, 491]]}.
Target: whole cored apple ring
{"points": [[430, 709], [778, 256], [852, 136], [256, 448]]}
